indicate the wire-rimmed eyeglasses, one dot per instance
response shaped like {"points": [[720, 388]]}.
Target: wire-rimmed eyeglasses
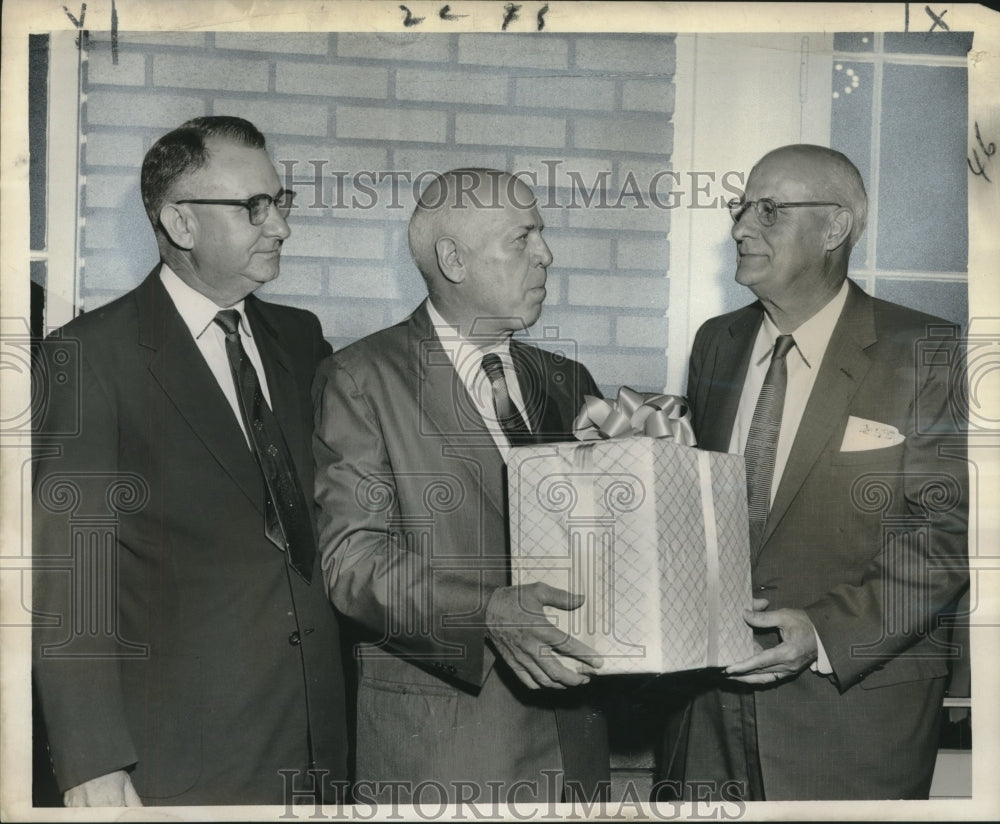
{"points": [[766, 209], [259, 206]]}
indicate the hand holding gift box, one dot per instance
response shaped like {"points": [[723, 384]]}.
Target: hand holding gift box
{"points": [[652, 531]]}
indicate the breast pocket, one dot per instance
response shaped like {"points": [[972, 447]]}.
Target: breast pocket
{"points": [[888, 456]]}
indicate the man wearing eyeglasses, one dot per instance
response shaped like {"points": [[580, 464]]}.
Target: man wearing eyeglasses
{"points": [[857, 489], [213, 675]]}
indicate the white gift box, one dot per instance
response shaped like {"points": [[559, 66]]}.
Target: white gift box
{"points": [[654, 534]]}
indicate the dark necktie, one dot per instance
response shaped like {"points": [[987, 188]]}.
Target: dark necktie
{"points": [[287, 517], [510, 419], [762, 440]]}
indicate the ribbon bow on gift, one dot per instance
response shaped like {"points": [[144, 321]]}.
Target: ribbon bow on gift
{"points": [[635, 413]]}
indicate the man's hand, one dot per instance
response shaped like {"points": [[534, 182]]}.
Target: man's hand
{"points": [[521, 634], [796, 651], [111, 790]]}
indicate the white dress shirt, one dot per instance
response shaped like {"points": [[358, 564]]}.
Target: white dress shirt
{"points": [[467, 358], [198, 314], [803, 361]]}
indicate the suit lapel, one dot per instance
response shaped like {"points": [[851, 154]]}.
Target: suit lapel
{"points": [[178, 366], [544, 417], [445, 406], [728, 372], [280, 381], [844, 367]]}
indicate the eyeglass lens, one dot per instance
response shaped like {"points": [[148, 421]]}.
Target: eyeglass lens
{"points": [[765, 209], [260, 205]]}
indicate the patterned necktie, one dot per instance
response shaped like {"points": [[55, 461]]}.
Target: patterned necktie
{"points": [[510, 419], [287, 519], [762, 440]]}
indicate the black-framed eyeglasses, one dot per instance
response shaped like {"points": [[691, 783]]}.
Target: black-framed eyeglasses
{"points": [[259, 206], [767, 209]]}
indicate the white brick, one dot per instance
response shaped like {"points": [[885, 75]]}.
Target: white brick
{"points": [[114, 149], [627, 53], [607, 290], [391, 124], [337, 80], [130, 70], [288, 42], [345, 321], [395, 46], [114, 191], [643, 253], [330, 158], [635, 133], [555, 172], [629, 217], [573, 92], [364, 282], [584, 329], [639, 331], [277, 117], [572, 251], [642, 372], [199, 72], [532, 51], [116, 271], [649, 95], [333, 237], [296, 278], [417, 161], [511, 130], [138, 109], [451, 86]]}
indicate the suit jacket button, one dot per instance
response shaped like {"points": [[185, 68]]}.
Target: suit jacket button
{"points": [[294, 639]]}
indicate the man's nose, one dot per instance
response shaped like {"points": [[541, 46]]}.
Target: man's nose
{"points": [[276, 225], [543, 253], [744, 226]]}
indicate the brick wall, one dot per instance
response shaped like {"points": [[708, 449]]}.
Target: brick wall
{"points": [[587, 108]]}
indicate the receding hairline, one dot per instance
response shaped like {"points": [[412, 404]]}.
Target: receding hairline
{"points": [[435, 216], [838, 175]]}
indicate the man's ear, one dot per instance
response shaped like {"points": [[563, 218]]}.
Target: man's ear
{"points": [[449, 258], [839, 229], [179, 225]]}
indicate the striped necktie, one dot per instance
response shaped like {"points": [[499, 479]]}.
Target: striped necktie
{"points": [[510, 419], [287, 521], [762, 440]]}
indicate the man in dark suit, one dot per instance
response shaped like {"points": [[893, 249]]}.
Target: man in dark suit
{"points": [[458, 685], [185, 651], [860, 489]]}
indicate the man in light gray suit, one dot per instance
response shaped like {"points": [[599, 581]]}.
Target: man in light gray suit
{"points": [[457, 681]]}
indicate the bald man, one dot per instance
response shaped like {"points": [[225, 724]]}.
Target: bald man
{"points": [[459, 695], [860, 543]]}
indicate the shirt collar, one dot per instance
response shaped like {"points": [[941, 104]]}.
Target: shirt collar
{"points": [[811, 336], [466, 355], [196, 310]]}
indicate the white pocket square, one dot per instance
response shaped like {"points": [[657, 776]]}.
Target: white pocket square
{"points": [[863, 434]]}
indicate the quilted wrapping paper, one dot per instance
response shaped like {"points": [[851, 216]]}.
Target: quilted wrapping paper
{"points": [[654, 534]]}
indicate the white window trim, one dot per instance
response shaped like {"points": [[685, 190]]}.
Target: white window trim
{"points": [[723, 122], [62, 224]]}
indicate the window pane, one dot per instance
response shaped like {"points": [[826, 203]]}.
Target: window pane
{"points": [[38, 75], [937, 42], [851, 126], [946, 299], [922, 209], [855, 41]]}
